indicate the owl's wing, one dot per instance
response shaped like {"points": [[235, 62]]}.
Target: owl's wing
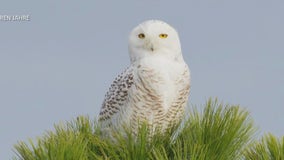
{"points": [[116, 98]]}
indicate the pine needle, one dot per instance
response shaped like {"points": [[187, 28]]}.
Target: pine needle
{"points": [[219, 132]]}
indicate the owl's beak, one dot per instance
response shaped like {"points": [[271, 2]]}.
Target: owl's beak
{"points": [[152, 48], [149, 44]]}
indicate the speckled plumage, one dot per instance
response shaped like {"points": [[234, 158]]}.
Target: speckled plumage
{"points": [[155, 87]]}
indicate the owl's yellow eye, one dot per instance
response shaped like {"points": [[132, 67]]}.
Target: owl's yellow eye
{"points": [[141, 36], [163, 35]]}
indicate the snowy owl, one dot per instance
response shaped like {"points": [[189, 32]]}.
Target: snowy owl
{"points": [[155, 87]]}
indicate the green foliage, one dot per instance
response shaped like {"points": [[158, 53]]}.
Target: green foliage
{"points": [[67, 142], [269, 148], [219, 132]]}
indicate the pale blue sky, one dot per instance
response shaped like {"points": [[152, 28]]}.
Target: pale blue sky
{"points": [[59, 64]]}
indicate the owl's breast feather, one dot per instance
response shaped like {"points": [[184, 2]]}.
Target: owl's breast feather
{"points": [[159, 76]]}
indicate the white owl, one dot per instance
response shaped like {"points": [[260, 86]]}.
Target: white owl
{"points": [[155, 87]]}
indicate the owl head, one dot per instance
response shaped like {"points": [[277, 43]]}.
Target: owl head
{"points": [[154, 38]]}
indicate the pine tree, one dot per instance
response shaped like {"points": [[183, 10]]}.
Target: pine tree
{"points": [[218, 132]]}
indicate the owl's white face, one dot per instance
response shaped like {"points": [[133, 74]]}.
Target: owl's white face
{"points": [[154, 37]]}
